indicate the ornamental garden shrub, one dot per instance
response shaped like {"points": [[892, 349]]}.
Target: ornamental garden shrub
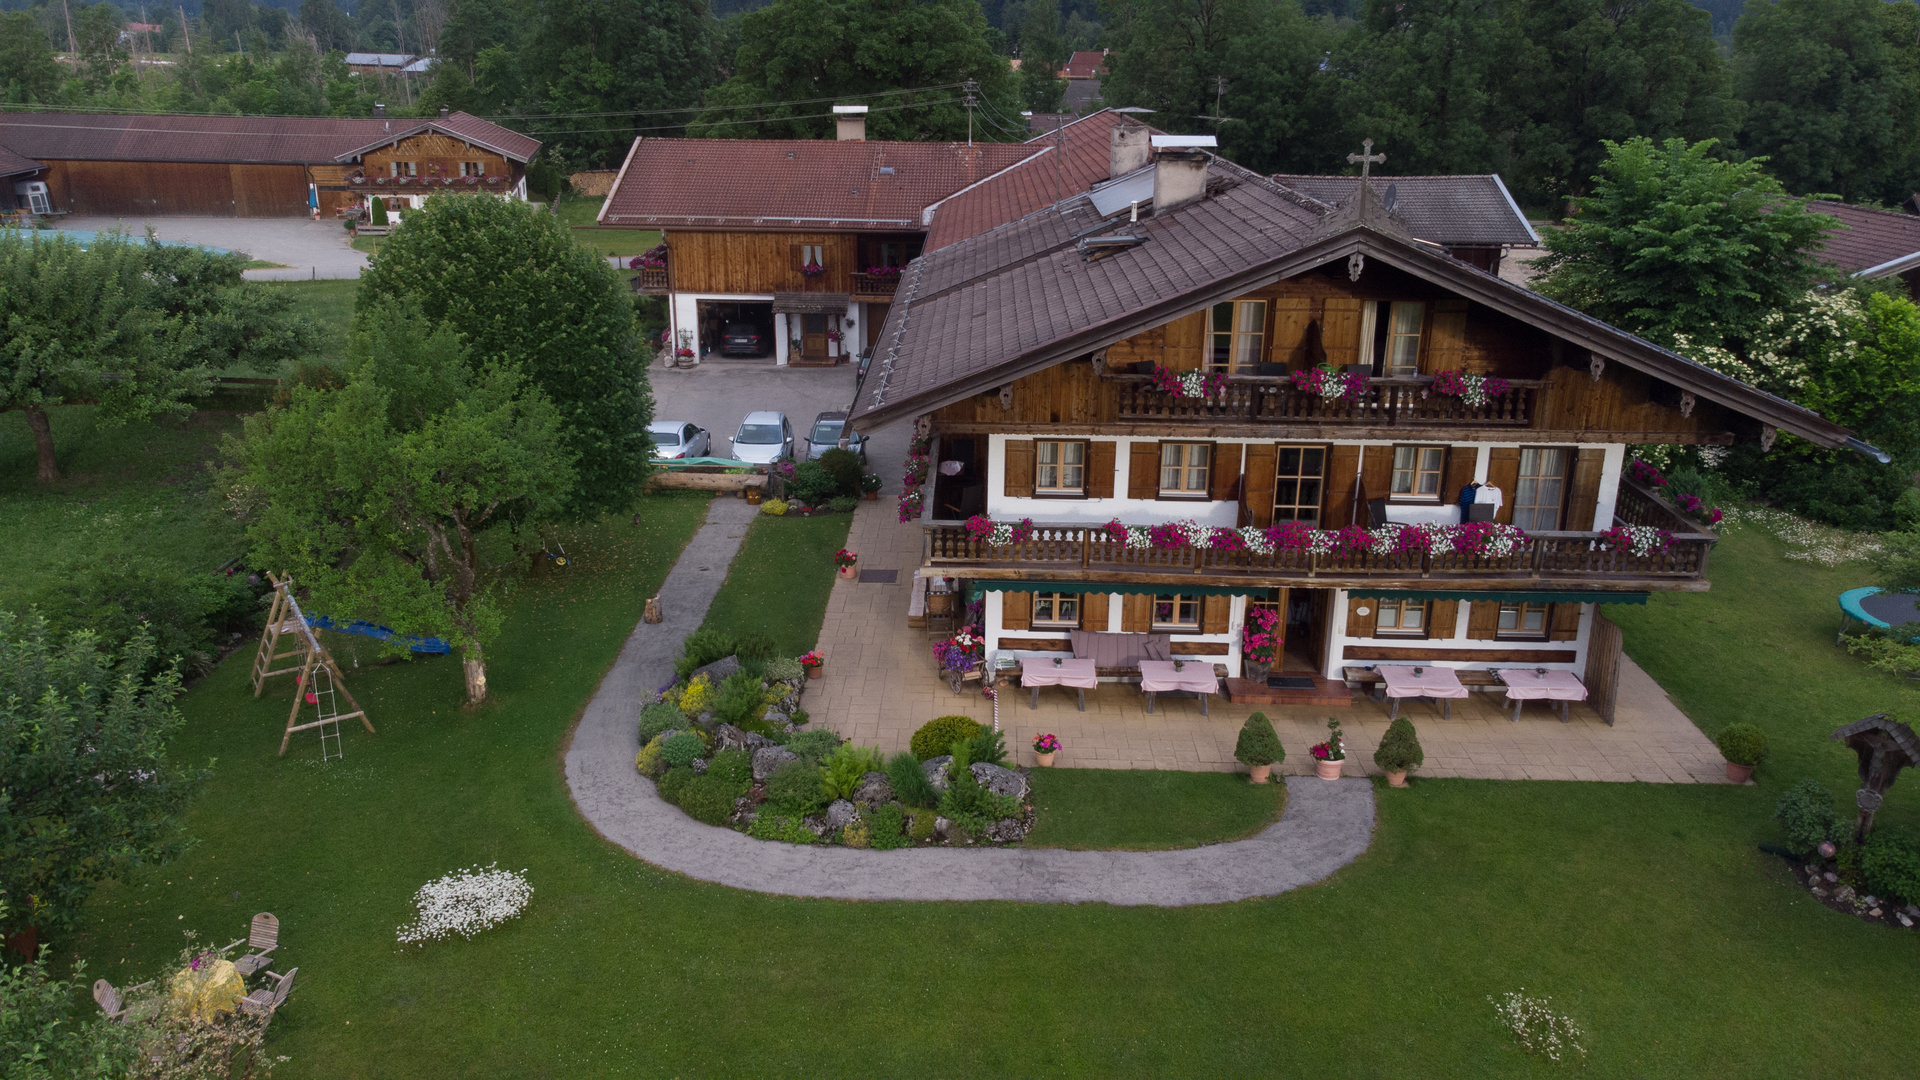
{"points": [[909, 780], [812, 484], [936, 736], [989, 748], [814, 746], [1399, 748], [842, 504], [1806, 813], [844, 768], [733, 766], [740, 699], [1258, 743], [648, 760], [697, 697], [784, 669], [708, 798], [772, 825], [1890, 865], [774, 507], [796, 788], [755, 645], [844, 466], [681, 749], [702, 647], [920, 828], [888, 827], [856, 834], [673, 782], [659, 718], [1742, 744]]}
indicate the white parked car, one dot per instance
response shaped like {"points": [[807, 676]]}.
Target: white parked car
{"points": [[763, 438], [679, 439]]}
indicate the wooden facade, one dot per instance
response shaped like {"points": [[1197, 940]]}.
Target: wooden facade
{"points": [[732, 263], [171, 187]]}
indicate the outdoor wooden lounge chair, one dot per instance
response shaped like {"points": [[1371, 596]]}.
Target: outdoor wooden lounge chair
{"points": [[263, 1002], [265, 936], [111, 1001]]}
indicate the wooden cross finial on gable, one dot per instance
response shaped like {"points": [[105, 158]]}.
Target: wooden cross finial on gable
{"points": [[1366, 159]]}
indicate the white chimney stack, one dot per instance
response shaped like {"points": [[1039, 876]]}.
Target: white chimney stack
{"points": [[1179, 170], [1129, 150], [850, 123]]}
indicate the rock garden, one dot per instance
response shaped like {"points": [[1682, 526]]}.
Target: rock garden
{"points": [[728, 743]]}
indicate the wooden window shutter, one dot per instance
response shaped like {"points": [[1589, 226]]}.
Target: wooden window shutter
{"points": [[1336, 498], [1223, 472], [1019, 478], [1216, 614], [1584, 493], [1483, 620], [1016, 610], [1093, 611], [1291, 317], [1340, 331], [1563, 622], [796, 257], [1136, 613], [1099, 484], [1143, 470], [1186, 342], [1441, 619], [1503, 472], [1446, 343], [1361, 625], [1256, 486], [1461, 462], [1376, 475]]}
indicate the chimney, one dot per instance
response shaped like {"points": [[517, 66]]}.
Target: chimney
{"points": [[1129, 150], [850, 123], [443, 112], [1179, 170], [379, 110]]}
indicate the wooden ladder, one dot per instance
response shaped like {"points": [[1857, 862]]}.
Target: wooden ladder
{"points": [[282, 619]]}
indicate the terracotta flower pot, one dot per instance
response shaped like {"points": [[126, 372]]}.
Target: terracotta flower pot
{"points": [[847, 571], [1258, 773], [1327, 770], [872, 496], [1046, 760], [1397, 778], [1739, 774], [815, 671]]}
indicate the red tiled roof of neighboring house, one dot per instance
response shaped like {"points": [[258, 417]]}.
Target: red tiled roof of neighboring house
{"points": [[795, 183], [1454, 211], [300, 140], [1085, 64], [12, 164], [1870, 238], [1084, 156]]}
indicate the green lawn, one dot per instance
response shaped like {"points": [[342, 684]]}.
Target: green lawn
{"points": [[1645, 911], [1142, 811], [780, 581]]}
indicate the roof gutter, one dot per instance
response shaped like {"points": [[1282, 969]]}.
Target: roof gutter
{"points": [[1891, 267], [601, 217]]}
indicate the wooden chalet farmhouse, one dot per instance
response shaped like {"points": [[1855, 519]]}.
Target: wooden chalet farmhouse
{"points": [[1191, 342], [259, 166]]}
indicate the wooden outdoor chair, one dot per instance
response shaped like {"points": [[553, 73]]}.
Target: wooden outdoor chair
{"points": [[264, 1002], [263, 938], [111, 1001]]}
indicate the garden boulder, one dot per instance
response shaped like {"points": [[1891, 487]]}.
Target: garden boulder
{"points": [[874, 790], [936, 770], [768, 759], [841, 813], [728, 737], [717, 671], [1007, 830], [999, 780]]}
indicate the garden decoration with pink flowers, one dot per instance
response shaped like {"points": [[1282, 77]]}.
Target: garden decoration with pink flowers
{"points": [[1686, 501], [1480, 538], [918, 466]]}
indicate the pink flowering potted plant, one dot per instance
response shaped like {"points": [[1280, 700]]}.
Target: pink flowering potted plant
{"points": [[1329, 756], [1044, 748], [844, 561], [1259, 643], [814, 661]]}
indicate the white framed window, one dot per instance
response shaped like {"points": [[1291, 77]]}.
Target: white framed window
{"points": [[1299, 474], [1401, 618], [1176, 611], [1183, 470], [473, 168], [1542, 488], [1060, 468], [813, 255], [1523, 620], [403, 168], [1239, 331], [1056, 609], [1403, 337], [1416, 471]]}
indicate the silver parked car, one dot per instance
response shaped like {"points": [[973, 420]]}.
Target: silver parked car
{"points": [[763, 438], [825, 435], [679, 439]]}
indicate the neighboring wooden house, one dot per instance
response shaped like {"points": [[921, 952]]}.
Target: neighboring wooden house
{"points": [[263, 166], [1472, 217], [1028, 354], [22, 183]]}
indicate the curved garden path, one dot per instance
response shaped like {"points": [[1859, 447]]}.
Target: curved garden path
{"points": [[1325, 826]]}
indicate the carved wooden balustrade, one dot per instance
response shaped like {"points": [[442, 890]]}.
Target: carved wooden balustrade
{"points": [[1252, 399], [875, 284], [653, 279]]}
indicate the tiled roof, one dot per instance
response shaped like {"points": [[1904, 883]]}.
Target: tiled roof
{"points": [[1449, 210], [12, 164], [1084, 154], [1085, 64], [303, 140], [795, 183], [1081, 96], [510, 144], [1019, 298], [1869, 237]]}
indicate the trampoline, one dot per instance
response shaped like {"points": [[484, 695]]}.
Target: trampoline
{"points": [[1880, 610]]}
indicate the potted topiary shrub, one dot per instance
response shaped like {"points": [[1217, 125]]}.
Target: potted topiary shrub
{"points": [[1259, 747], [870, 487], [1399, 751], [1745, 747]]}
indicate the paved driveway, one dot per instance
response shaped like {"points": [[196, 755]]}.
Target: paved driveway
{"points": [[718, 394], [308, 248]]}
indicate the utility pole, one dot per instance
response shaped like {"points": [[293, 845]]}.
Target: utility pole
{"points": [[71, 47], [968, 99], [1219, 92], [184, 33]]}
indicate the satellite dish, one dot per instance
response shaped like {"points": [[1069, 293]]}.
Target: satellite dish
{"points": [[1392, 198]]}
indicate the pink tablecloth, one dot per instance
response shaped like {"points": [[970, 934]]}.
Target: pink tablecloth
{"points": [[1078, 673], [1524, 684], [1432, 682], [1159, 677]]}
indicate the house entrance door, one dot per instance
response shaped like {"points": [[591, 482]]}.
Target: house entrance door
{"points": [[813, 337], [1306, 644]]}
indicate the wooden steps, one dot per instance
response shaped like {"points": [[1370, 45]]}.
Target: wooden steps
{"points": [[1325, 692]]}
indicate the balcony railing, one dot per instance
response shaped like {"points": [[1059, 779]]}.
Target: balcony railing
{"points": [[653, 280], [875, 284], [1396, 401]]}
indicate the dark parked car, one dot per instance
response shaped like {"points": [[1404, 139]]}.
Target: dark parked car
{"points": [[824, 435], [742, 339]]}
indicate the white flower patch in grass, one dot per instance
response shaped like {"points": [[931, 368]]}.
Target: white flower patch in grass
{"points": [[1537, 1028], [466, 902], [1806, 541]]}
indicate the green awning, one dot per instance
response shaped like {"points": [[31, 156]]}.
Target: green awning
{"points": [[1508, 597], [975, 588]]}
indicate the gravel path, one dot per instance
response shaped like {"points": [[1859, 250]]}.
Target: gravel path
{"points": [[1326, 825]]}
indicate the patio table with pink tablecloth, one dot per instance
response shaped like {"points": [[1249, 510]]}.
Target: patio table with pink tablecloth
{"points": [[1425, 681], [1193, 676], [1079, 674], [1536, 684]]}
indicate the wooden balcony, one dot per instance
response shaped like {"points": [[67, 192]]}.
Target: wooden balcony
{"points": [[1387, 402], [652, 281], [875, 285]]}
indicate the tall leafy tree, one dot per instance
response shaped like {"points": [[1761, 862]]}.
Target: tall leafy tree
{"points": [[1042, 51], [1165, 55], [408, 495], [28, 72], [1830, 100], [1277, 96], [523, 294], [798, 57], [87, 790], [331, 28]]}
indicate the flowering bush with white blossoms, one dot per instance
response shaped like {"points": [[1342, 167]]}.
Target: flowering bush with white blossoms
{"points": [[1824, 328], [466, 902], [1639, 541], [1804, 540], [1537, 1028], [1189, 384]]}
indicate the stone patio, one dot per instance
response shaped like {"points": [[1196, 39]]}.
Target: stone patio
{"points": [[880, 684]]}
